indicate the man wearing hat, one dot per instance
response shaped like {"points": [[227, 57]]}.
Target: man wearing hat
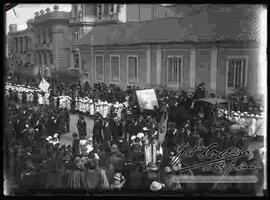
{"points": [[172, 137], [119, 181], [106, 131], [152, 173], [156, 186], [75, 144], [117, 158], [97, 138], [81, 126], [66, 120], [171, 180]]}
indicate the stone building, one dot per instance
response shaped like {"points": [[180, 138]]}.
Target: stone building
{"points": [[176, 46], [45, 43], [19, 51], [215, 44]]}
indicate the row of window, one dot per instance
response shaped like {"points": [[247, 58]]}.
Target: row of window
{"points": [[132, 63], [236, 70], [47, 58], [21, 44], [112, 8], [44, 37]]}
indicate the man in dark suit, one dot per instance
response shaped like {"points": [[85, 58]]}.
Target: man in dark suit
{"points": [[67, 120], [75, 144], [107, 134], [81, 126], [200, 91], [97, 131]]}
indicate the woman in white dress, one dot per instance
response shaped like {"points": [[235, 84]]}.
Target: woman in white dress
{"points": [[106, 109], [68, 103], [97, 106], [92, 107], [40, 99], [119, 111], [77, 103], [31, 97]]}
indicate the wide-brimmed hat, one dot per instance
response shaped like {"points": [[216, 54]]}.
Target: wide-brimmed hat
{"points": [[176, 167], [118, 176], [156, 186], [114, 149], [133, 137], [152, 166], [167, 169], [172, 154], [140, 135]]}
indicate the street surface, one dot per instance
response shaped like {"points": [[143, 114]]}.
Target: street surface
{"points": [[66, 139]]}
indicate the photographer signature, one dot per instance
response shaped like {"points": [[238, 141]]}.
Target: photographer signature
{"points": [[217, 157]]}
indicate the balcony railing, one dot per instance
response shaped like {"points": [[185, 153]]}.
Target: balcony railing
{"points": [[47, 46]]}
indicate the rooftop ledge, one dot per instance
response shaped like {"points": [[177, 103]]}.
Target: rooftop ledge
{"points": [[52, 16]]}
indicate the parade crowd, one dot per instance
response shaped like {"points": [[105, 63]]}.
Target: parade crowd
{"points": [[125, 151]]}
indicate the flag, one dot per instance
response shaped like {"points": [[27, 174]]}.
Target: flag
{"points": [[15, 12], [163, 127], [44, 85]]}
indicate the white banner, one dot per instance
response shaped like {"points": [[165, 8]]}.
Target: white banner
{"points": [[44, 85], [147, 99]]}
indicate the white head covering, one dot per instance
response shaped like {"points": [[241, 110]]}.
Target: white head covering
{"points": [[140, 135], [133, 137]]}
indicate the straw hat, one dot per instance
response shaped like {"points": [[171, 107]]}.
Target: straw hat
{"points": [[49, 138], [167, 169], [156, 186], [145, 129], [152, 166], [140, 135], [133, 137], [118, 176]]}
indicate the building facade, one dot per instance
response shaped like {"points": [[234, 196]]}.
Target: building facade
{"points": [[195, 44], [176, 46], [19, 52], [46, 43]]}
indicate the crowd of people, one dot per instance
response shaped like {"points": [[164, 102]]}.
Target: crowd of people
{"points": [[118, 157]]}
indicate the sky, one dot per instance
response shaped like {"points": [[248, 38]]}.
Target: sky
{"points": [[27, 11]]}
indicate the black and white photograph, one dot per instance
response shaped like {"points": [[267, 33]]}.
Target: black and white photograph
{"points": [[134, 99]]}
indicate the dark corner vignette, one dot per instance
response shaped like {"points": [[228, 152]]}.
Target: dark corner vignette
{"points": [[134, 100]]}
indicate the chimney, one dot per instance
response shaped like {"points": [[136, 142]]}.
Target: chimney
{"points": [[12, 28]]}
